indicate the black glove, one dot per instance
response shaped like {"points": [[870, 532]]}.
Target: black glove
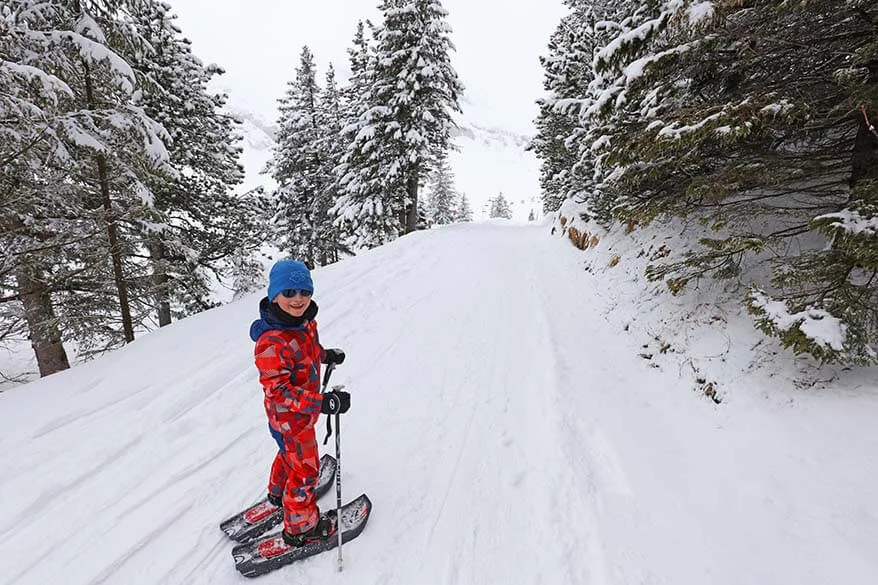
{"points": [[336, 401], [333, 356]]}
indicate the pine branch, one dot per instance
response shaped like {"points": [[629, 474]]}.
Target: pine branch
{"points": [[28, 147]]}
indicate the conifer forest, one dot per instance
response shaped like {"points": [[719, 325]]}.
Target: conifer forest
{"points": [[748, 126], [118, 203]]}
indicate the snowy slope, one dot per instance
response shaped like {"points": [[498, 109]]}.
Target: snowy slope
{"points": [[490, 160], [257, 147], [503, 424], [486, 161]]}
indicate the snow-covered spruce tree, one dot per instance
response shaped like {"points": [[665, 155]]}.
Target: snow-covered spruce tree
{"points": [[748, 118], [330, 239], [464, 210], [78, 166], [358, 210], [568, 72], [360, 58], [619, 34], [413, 91], [354, 94], [443, 197], [299, 166], [246, 268], [118, 167], [197, 222], [28, 240], [246, 273], [500, 207]]}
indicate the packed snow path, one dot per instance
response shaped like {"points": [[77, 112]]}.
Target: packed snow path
{"points": [[505, 430]]}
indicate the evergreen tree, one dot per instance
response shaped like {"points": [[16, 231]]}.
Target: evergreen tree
{"points": [[298, 165], [774, 136], [464, 211], [115, 169], [329, 236], [357, 212], [412, 93], [76, 165], [247, 273], [750, 119], [360, 57], [29, 98], [500, 207], [106, 223], [564, 171], [203, 222], [443, 197]]}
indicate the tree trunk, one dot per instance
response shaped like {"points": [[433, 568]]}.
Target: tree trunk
{"points": [[411, 218], [45, 337], [115, 252], [864, 159], [403, 215], [39, 314], [312, 249], [160, 281]]}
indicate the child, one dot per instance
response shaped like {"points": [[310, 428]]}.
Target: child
{"points": [[288, 356]]}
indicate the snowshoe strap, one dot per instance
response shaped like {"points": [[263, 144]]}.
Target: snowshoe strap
{"points": [[328, 417], [328, 428]]}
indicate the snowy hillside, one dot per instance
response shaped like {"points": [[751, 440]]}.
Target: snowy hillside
{"points": [[488, 161], [505, 424], [257, 147], [492, 160]]}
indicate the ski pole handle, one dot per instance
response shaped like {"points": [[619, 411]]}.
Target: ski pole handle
{"points": [[326, 376]]}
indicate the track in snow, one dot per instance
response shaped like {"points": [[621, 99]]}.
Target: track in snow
{"points": [[503, 430]]}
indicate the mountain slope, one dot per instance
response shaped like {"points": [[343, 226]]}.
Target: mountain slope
{"points": [[486, 161], [504, 427]]}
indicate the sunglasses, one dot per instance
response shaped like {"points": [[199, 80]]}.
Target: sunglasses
{"points": [[291, 292]]}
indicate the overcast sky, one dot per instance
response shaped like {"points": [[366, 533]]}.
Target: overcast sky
{"points": [[258, 42]]}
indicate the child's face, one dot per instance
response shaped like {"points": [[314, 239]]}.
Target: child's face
{"points": [[294, 306]]}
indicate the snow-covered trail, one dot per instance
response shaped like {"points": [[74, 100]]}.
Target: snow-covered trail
{"points": [[504, 430]]}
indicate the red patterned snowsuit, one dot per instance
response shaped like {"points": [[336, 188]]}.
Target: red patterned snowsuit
{"points": [[289, 370]]}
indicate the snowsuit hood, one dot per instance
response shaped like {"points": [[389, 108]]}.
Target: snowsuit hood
{"points": [[272, 317]]}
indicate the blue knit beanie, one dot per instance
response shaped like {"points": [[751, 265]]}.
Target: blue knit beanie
{"points": [[288, 274]]}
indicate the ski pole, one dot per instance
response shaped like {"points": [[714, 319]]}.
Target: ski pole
{"points": [[329, 369], [338, 485]]}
